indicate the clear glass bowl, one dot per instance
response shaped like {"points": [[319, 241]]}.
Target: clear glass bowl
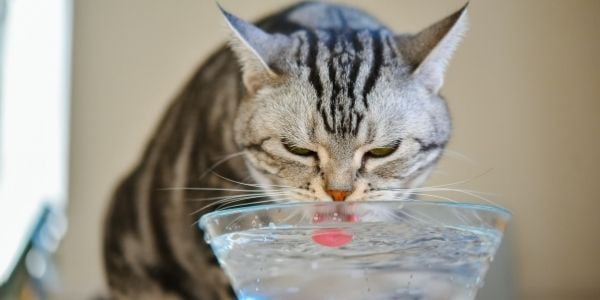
{"points": [[356, 250]]}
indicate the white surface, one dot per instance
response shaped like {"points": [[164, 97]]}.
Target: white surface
{"points": [[33, 120]]}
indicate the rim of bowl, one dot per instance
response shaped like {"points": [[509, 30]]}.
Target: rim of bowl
{"points": [[503, 212]]}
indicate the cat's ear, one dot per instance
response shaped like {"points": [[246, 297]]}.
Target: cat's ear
{"points": [[429, 51], [259, 52]]}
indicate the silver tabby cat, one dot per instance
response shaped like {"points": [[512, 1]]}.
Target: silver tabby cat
{"points": [[328, 105]]}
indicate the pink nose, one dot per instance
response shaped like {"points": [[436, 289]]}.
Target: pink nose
{"points": [[338, 195]]}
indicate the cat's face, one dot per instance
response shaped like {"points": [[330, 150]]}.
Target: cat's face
{"points": [[347, 117], [395, 144]]}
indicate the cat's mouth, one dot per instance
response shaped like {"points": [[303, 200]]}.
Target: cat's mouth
{"points": [[334, 213]]}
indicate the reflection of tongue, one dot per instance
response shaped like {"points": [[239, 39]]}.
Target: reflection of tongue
{"points": [[333, 237]]}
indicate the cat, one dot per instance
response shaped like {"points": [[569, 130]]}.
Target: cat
{"points": [[317, 102]]}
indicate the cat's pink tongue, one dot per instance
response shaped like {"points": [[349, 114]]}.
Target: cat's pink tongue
{"points": [[333, 237]]}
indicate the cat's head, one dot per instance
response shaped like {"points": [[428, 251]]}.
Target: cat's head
{"points": [[350, 115]]}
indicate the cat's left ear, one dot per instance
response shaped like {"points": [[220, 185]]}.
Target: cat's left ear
{"points": [[429, 51], [260, 53]]}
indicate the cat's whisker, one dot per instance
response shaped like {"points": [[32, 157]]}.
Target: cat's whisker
{"points": [[434, 197], [220, 162], [462, 181], [250, 184], [446, 184], [256, 202], [471, 193], [456, 190], [208, 189], [268, 196], [455, 154], [409, 193], [234, 196], [425, 189], [219, 202], [227, 199], [447, 188]]}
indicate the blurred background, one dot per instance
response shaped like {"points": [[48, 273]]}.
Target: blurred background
{"points": [[84, 83]]}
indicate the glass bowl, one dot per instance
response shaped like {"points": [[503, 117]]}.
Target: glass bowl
{"points": [[356, 250]]}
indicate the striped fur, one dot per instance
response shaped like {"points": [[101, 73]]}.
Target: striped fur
{"points": [[323, 77]]}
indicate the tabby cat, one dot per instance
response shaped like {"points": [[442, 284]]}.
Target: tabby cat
{"points": [[328, 105]]}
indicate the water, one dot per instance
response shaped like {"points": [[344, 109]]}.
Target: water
{"points": [[383, 261]]}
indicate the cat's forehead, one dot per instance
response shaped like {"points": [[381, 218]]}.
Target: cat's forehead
{"points": [[342, 72], [353, 48], [393, 112]]}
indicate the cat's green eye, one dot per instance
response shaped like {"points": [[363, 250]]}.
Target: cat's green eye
{"points": [[297, 150], [382, 151]]}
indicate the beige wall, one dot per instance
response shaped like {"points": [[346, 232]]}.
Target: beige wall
{"points": [[523, 88]]}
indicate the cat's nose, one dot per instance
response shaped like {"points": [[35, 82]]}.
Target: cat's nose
{"points": [[338, 195]]}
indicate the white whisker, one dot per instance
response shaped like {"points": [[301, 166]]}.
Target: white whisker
{"points": [[250, 184], [219, 162], [235, 196], [435, 196], [208, 189], [458, 155], [226, 200], [463, 181], [256, 202]]}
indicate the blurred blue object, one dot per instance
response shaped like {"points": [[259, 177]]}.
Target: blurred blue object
{"points": [[34, 273]]}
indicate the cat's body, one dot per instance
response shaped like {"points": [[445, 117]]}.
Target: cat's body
{"points": [[336, 65]]}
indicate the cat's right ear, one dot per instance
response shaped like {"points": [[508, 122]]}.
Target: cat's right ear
{"points": [[429, 51], [259, 53]]}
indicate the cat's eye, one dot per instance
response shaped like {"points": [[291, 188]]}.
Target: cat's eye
{"points": [[382, 151], [297, 150]]}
